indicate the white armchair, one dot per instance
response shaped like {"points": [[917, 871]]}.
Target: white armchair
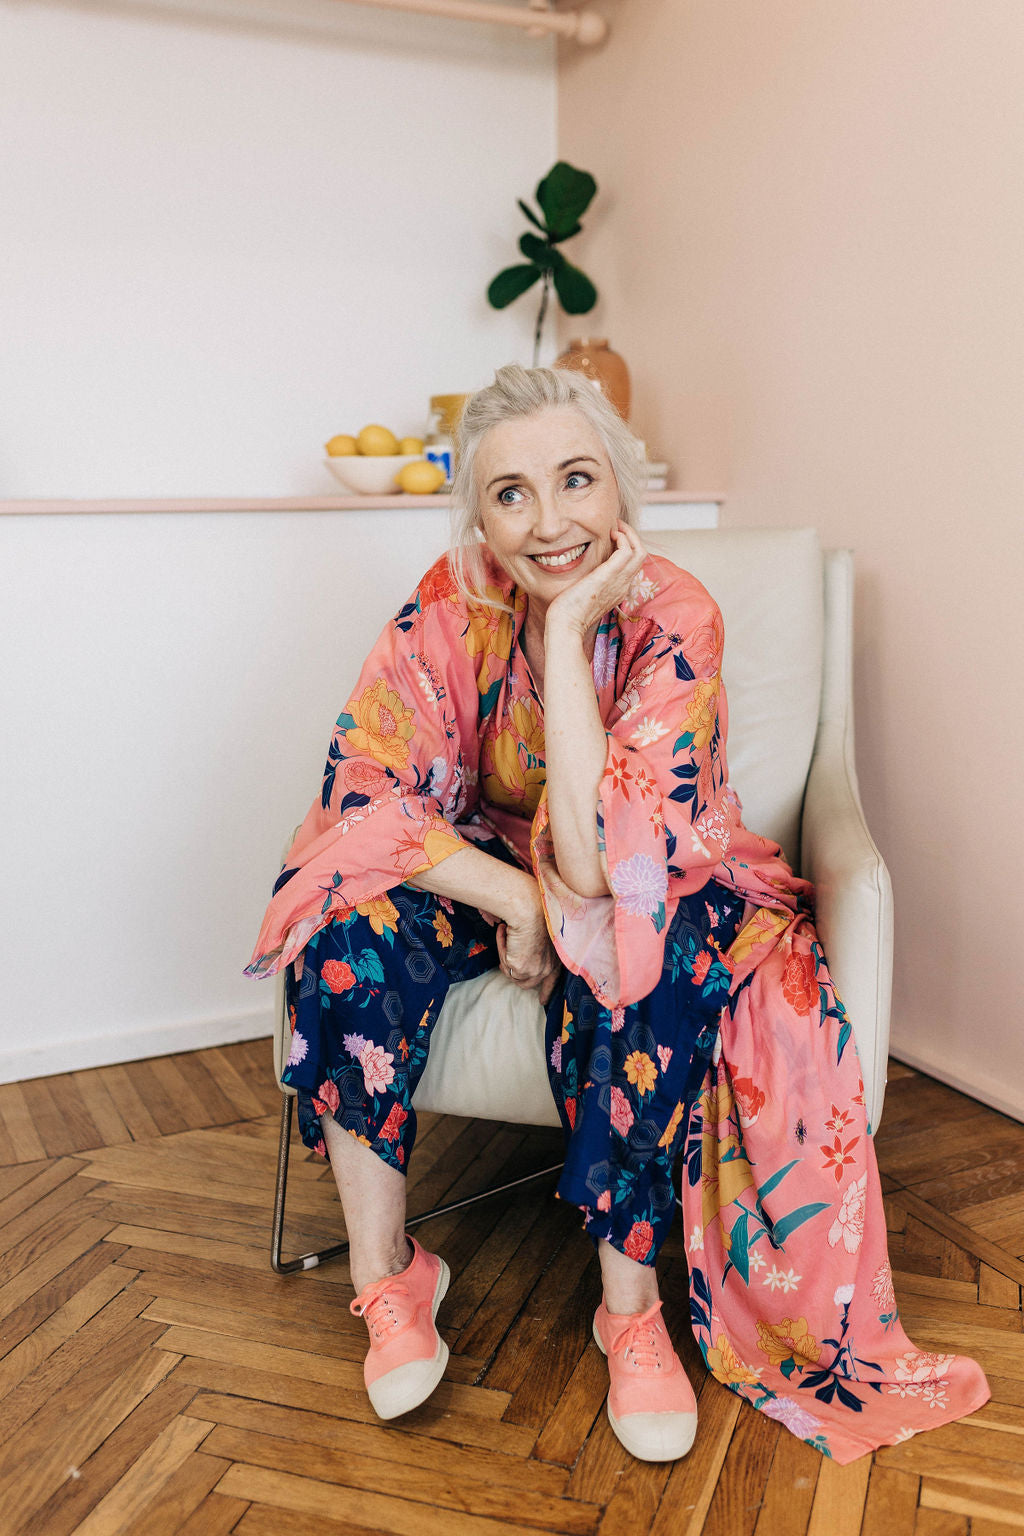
{"points": [[788, 675]]}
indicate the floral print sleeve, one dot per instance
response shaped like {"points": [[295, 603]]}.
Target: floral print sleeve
{"points": [[664, 809], [400, 772]]}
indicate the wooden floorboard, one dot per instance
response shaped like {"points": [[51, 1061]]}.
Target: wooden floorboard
{"points": [[157, 1379]]}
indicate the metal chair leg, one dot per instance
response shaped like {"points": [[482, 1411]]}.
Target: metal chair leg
{"points": [[311, 1260]]}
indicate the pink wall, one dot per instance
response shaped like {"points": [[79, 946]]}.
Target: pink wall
{"points": [[809, 242]]}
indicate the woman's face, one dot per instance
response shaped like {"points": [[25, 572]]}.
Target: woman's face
{"points": [[548, 499]]}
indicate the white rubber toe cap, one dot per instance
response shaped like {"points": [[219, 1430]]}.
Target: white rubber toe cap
{"points": [[404, 1388], [655, 1436]]}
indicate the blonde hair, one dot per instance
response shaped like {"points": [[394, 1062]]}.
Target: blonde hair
{"points": [[517, 393]]}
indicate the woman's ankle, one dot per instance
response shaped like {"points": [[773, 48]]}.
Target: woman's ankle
{"points": [[629, 1287], [382, 1264]]}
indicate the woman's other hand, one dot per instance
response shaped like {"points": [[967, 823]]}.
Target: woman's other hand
{"points": [[596, 594], [525, 951]]}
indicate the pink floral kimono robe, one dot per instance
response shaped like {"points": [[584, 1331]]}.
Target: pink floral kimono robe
{"points": [[441, 743]]}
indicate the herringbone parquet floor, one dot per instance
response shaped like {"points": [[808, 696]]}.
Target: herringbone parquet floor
{"points": [[157, 1378]]}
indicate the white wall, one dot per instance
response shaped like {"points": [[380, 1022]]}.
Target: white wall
{"points": [[169, 687], [230, 231]]}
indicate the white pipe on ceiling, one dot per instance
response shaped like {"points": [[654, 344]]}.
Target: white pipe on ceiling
{"points": [[579, 26]]}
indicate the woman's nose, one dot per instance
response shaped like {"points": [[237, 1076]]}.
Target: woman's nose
{"points": [[550, 520]]}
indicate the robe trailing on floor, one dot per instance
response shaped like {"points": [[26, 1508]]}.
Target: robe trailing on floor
{"points": [[442, 743]]}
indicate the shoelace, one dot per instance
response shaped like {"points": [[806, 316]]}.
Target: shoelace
{"points": [[640, 1340], [374, 1306]]}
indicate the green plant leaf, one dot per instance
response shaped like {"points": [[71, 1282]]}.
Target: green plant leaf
{"points": [[563, 196], [557, 239], [541, 253], [576, 293], [531, 215], [510, 283]]}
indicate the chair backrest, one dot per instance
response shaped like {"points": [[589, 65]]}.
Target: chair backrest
{"points": [[769, 586]]}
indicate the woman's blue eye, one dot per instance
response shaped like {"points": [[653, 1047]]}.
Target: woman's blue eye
{"points": [[580, 475], [508, 491]]}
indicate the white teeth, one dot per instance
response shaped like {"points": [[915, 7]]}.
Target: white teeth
{"points": [[566, 559]]}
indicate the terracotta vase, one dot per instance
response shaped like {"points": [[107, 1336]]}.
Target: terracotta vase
{"points": [[592, 356]]}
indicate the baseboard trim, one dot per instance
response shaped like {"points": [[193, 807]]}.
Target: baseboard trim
{"points": [[985, 1090], [133, 1045]]}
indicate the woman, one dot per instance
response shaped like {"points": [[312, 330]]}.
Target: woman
{"points": [[531, 773]]}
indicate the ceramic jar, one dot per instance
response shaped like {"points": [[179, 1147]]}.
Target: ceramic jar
{"points": [[593, 357]]}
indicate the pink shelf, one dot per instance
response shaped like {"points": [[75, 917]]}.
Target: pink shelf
{"points": [[284, 503]]}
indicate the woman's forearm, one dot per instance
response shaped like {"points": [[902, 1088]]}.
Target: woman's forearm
{"points": [[479, 880], [576, 750]]}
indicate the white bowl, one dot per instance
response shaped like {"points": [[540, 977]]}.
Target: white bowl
{"points": [[369, 474]]}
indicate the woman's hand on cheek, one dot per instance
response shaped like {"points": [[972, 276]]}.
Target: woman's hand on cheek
{"points": [[598, 592]]}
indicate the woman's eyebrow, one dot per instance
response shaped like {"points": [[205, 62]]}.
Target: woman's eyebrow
{"points": [[580, 458]]}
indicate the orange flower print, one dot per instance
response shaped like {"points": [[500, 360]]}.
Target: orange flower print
{"points": [[799, 987], [389, 1131], [641, 1071], [327, 1098], [443, 929], [701, 966], [338, 975], [381, 911], [839, 1121], [570, 1112], [438, 585], [620, 778], [838, 1157], [789, 1337], [749, 1100], [638, 1244], [366, 778], [704, 646], [673, 1125], [383, 727], [644, 783], [702, 713]]}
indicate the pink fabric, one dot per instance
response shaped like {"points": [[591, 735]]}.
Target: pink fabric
{"points": [[442, 743]]}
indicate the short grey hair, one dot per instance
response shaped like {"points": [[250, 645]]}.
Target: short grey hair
{"points": [[522, 392]]}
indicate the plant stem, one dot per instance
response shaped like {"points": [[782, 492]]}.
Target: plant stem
{"points": [[545, 289]]}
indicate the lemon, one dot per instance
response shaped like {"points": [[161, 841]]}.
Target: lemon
{"points": [[420, 479], [377, 440], [340, 445], [411, 445]]}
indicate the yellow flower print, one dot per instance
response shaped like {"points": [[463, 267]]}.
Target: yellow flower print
{"points": [[640, 1069], [764, 927], [567, 1018], [381, 911], [364, 1139], [726, 1366], [489, 633], [702, 712], [725, 1173], [505, 780], [672, 1127], [528, 725], [788, 1337], [383, 725], [443, 929]]}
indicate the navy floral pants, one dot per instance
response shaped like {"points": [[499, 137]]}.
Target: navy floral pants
{"points": [[623, 1079]]}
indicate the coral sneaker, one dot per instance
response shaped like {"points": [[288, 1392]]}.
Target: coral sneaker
{"points": [[407, 1354], [651, 1406]]}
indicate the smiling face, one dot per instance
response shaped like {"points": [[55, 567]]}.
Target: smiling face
{"points": [[548, 500]]}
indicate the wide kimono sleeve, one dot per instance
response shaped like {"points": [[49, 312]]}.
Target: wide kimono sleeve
{"points": [[401, 772], [665, 812]]}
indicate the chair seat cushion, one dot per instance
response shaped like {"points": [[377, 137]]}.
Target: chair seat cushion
{"points": [[487, 1055]]}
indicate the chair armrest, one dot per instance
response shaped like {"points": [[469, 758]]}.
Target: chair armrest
{"points": [[854, 905]]}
